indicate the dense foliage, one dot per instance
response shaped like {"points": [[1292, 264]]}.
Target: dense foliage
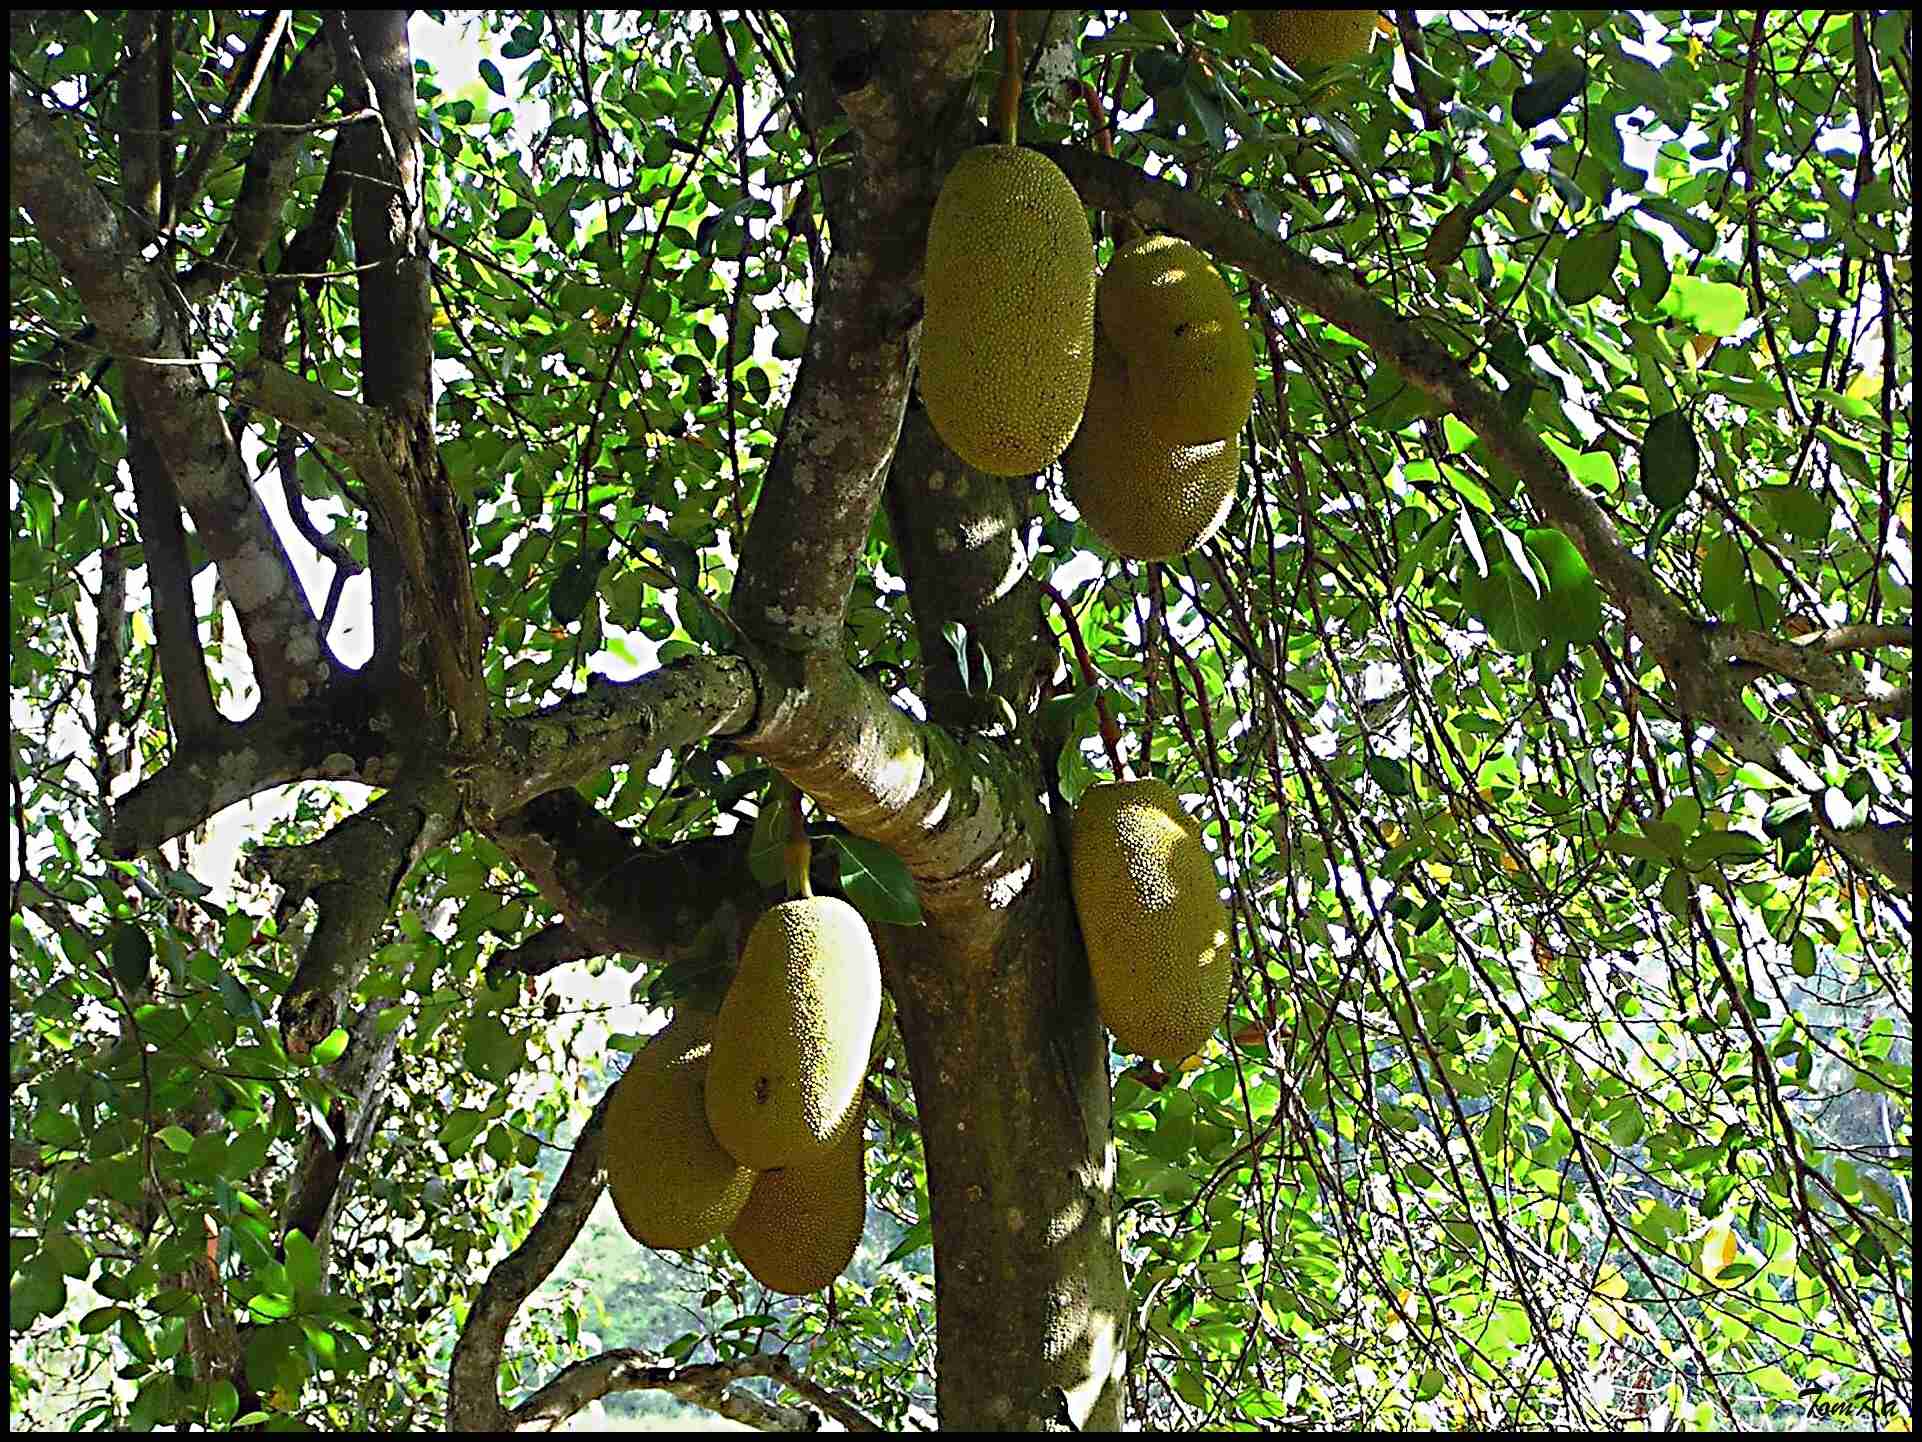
{"points": [[1565, 823]]}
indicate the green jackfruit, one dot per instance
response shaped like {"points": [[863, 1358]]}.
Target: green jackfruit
{"points": [[1007, 340], [1144, 496], [673, 1185], [1172, 318], [791, 1043], [1315, 37], [1152, 918], [800, 1229]]}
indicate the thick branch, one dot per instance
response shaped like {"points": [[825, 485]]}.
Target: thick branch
{"points": [[960, 814], [270, 164], [163, 542], [1810, 661], [899, 77], [405, 486], [703, 1384], [352, 873], [553, 946], [315, 1190], [137, 319], [959, 538], [356, 735], [693, 899], [684, 702], [473, 1394]]}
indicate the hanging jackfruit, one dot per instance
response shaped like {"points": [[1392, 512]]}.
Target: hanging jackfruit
{"points": [[1315, 37], [672, 1184], [1007, 339], [1169, 314], [1151, 915], [791, 1043], [1145, 496], [803, 1223]]}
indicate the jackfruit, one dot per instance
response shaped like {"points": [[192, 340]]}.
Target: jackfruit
{"points": [[1151, 915], [1170, 315], [791, 1043], [801, 1226], [1315, 37], [673, 1185], [1007, 339], [1145, 497]]}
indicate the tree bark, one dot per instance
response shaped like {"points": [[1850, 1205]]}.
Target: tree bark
{"points": [[1010, 1070]]}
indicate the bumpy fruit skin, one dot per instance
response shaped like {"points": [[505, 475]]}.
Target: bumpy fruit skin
{"points": [[791, 1043], [1007, 339], [1144, 496], [801, 1226], [673, 1185], [1151, 914], [1315, 37], [1172, 318]]}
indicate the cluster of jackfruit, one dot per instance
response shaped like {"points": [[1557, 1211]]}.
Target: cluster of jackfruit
{"points": [[1306, 38], [1141, 385], [1151, 917], [749, 1123], [673, 1184], [1154, 466]]}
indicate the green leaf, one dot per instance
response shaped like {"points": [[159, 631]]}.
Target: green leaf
{"points": [[1697, 232], [1799, 511], [457, 1133], [1390, 775], [132, 952], [1504, 601], [1588, 263], [330, 1048], [920, 1235], [1709, 307], [790, 334], [1559, 77], [1671, 459], [1573, 606], [1652, 275], [576, 585], [874, 879], [490, 1050]]}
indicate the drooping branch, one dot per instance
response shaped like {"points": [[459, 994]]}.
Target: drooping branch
{"points": [[899, 78], [139, 319], [1707, 690], [352, 874]]}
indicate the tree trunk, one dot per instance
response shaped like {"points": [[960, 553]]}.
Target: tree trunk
{"points": [[1010, 1070]]}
